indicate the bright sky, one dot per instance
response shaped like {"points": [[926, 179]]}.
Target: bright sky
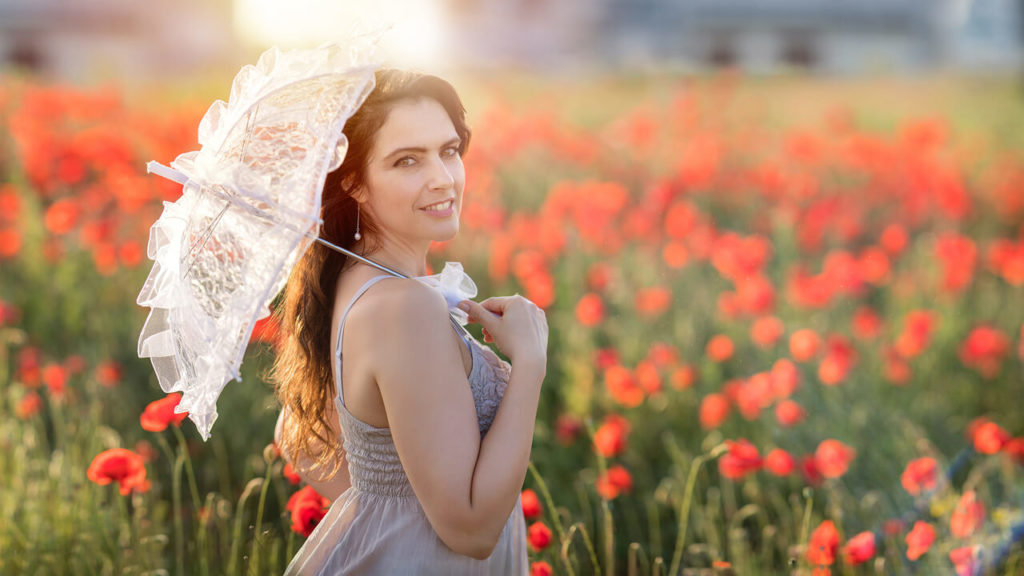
{"points": [[416, 38]]}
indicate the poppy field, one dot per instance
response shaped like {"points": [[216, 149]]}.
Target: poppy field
{"points": [[786, 330]]}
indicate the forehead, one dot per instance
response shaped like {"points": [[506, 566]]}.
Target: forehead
{"points": [[423, 123]]}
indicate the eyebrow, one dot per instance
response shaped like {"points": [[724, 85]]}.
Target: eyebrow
{"points": [[455, 140]]}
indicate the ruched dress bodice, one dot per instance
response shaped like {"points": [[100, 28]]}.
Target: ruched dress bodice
{"points": [[378, 526]]}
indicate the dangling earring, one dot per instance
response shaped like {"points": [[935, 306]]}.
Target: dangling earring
{"points": [[357, 235]]}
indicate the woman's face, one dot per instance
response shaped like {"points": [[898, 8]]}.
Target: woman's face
{"points": [[414, 175]]}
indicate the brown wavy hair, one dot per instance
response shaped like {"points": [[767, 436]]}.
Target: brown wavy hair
{"points": [[301, 373]]}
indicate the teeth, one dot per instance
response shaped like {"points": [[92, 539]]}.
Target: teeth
{"points": [[439, 206]]}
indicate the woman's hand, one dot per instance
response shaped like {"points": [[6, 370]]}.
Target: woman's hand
{"points": [[517, 326]]}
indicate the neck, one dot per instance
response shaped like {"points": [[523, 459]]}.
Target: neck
{"points": [[408, 260]]}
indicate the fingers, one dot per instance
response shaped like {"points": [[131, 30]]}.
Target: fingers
{"points": [[477, 313]]}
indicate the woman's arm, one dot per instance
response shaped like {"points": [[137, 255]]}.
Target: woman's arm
{"points": [[467, 488], [330, 489]]}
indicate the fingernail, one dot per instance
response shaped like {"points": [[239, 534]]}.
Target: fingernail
{"points": [[464, 306]]}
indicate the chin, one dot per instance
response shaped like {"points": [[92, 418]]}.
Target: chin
{"points": [[448, 234]]}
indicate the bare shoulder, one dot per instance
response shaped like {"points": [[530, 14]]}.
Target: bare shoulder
{"points": [[398, 305]]}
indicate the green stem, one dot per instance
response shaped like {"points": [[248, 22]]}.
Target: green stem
{"points": [[237, 536], [579, 527], [179, 530], [684, 507], [551, 508], [259, 519], [204, 567]]}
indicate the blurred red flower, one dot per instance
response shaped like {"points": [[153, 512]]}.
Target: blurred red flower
{"points": [[741, 459], [290, 474], [966, 561], [539, 536], [308, 508], [122, 466], [651, 302], [62, 216], [824, 542], [803, 344], [778, 462], [541, 568], [610, 438], [29, 405], [719, 348], [984, 350], [567, 428], [530, 504], [590, 310], [108, 374], [160, 413], [55, 377], [648, 377], [859, 549], [714, 409], [683, 377], [613, 482], [920, 475], [809, 470], [833, 458], [919, 540], [867, 324], [788, 413], [968, 515], [766, 331], [988, 437], [622, 387]]}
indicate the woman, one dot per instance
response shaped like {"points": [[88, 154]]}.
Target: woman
{"points": [[437, 429]]}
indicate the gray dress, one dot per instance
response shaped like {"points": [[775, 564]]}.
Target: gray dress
{"points": [[378, 526]]}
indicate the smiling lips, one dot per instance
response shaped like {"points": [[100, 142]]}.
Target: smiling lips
{"points": [[442, 207]]}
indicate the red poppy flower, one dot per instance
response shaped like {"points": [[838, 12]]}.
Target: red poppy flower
{"points": [[590, 310], [803, 344], [122, 466], [290, 474], [160, 413], [766, 331], [108, 374], [867, 324], [833, 458], [539, 536], [920, 475], [651, 302], [55, 377], [610, 438], [989, 437], [984, 350], [613, 482], [720, 348], [647, 376], [968, 515], [683, 377], [1015, 449], [308, 508], [809, 470], [530, 504], [778, 462], [859, 549], [821, 550], [966, 561], [788, 413], [742, 459], [541, 568], [919, 540], [714, 409], [29, 405], [622, 387], [785, 378], [567, 428]]}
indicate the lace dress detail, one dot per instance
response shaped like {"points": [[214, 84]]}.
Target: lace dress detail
{"points": [[378, 526]]}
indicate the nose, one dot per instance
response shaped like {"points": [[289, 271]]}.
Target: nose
{"points": [[441, 177]]}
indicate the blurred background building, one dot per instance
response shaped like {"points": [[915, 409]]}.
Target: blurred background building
{"points": [[78, 40]]}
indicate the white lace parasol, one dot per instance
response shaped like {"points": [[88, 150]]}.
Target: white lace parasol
{"points": [[250, 207]]}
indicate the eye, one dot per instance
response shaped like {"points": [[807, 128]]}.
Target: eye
{"points": [[401, 161], [454, 150]]}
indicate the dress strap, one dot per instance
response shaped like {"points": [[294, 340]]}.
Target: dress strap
{"points": [[341, 329]]}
